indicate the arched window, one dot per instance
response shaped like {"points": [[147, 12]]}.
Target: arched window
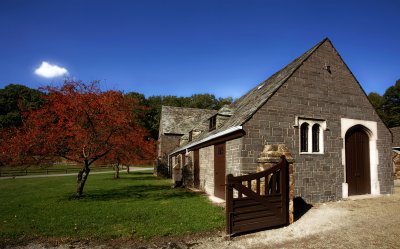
{"points": [[315, 138], [304, 137], [311, 133]]}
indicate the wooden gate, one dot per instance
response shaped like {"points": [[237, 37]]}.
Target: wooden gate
{"points": [[258, 201]]}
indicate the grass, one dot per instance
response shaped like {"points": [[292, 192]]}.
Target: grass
{"points": [[137, 206]]}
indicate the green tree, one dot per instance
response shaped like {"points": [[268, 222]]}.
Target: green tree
{"points": [[224, 101], [376, 100], [138, 96], [15, 99], [203, 101], [152, 116], [391, 105]]}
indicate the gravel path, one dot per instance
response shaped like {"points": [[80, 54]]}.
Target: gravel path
{"points": [[363, 223]]}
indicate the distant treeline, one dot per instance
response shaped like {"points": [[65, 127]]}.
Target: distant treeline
{"points": [[388, 105], [15, 99]]}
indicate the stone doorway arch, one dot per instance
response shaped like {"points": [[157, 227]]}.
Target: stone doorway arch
{"points": [[357, 161], [362, 128]]}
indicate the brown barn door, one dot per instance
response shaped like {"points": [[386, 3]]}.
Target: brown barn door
{"points": [[219, 170], [196, 169], [357, 162]]}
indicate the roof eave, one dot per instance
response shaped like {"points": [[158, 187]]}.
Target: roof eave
{"points": [[208, 138]]}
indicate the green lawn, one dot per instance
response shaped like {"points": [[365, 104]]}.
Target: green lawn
{"points": [[138, 205]]}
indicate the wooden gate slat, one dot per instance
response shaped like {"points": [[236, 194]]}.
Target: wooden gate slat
{"points": [[263, 201], [252, 215], [260, 224]]}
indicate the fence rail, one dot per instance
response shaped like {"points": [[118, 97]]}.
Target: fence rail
{"points": [[48, 171]]}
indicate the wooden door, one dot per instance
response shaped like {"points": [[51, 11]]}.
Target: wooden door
{"points": [[357, 162], [219, 170], [196, 169]]}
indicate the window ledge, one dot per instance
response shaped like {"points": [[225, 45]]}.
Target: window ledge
{"points": [[311, 153]]}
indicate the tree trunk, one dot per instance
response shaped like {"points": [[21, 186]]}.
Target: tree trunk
{"points": [[127, 169], [81, 179], [116, 168]]}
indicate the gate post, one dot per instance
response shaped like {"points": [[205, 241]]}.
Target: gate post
{"points": [[229, 203], [270, 156]]}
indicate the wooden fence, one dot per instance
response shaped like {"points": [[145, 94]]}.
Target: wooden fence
{"points": [[47, 171]]}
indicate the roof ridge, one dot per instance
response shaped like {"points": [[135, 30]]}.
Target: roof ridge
{"points": [[183, 107], [275, 87], [245, 107], [311, 50]]}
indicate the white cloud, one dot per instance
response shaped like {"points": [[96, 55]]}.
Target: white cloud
{"points": [[48, 70]]}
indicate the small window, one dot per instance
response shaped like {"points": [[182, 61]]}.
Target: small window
{"points": [[304, 137], [213, 123], [315, 138], [311, 135]]}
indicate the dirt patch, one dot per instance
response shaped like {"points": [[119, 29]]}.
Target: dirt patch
{"points": [[364, 223]]}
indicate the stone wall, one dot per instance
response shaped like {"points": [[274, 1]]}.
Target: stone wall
{"points": [[187, 170], [313, 92], [166, 144], [233, 150], [176, 165], [206, 164]]}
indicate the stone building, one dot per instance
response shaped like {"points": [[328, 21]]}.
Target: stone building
{"points": [[396, 151], [317, 108], [176, 122]]}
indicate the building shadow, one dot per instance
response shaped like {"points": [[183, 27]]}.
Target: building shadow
{"points": [[300, 208]]}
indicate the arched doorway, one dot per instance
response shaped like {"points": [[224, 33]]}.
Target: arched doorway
{"points": [[357, 161]]}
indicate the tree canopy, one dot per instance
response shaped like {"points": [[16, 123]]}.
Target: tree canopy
{"points": [[388, 105], [83, 124], [15, 99]]}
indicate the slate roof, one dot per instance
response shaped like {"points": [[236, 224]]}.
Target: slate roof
{"points": [[396, 136], [180, 120], [245, 107]]}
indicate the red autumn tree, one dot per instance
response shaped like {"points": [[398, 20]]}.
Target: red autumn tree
{"points": [[124, 152], [83, 124]]}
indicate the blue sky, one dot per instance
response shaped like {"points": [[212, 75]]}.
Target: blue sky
{"points": [[185, 47]]}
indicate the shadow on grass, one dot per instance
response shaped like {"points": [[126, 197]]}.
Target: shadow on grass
{"points": [[136, 176], [148, 173], [138, 192]]}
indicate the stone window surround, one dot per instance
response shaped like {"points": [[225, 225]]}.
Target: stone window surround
{"points": [[370, 127], [311, 122]]}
